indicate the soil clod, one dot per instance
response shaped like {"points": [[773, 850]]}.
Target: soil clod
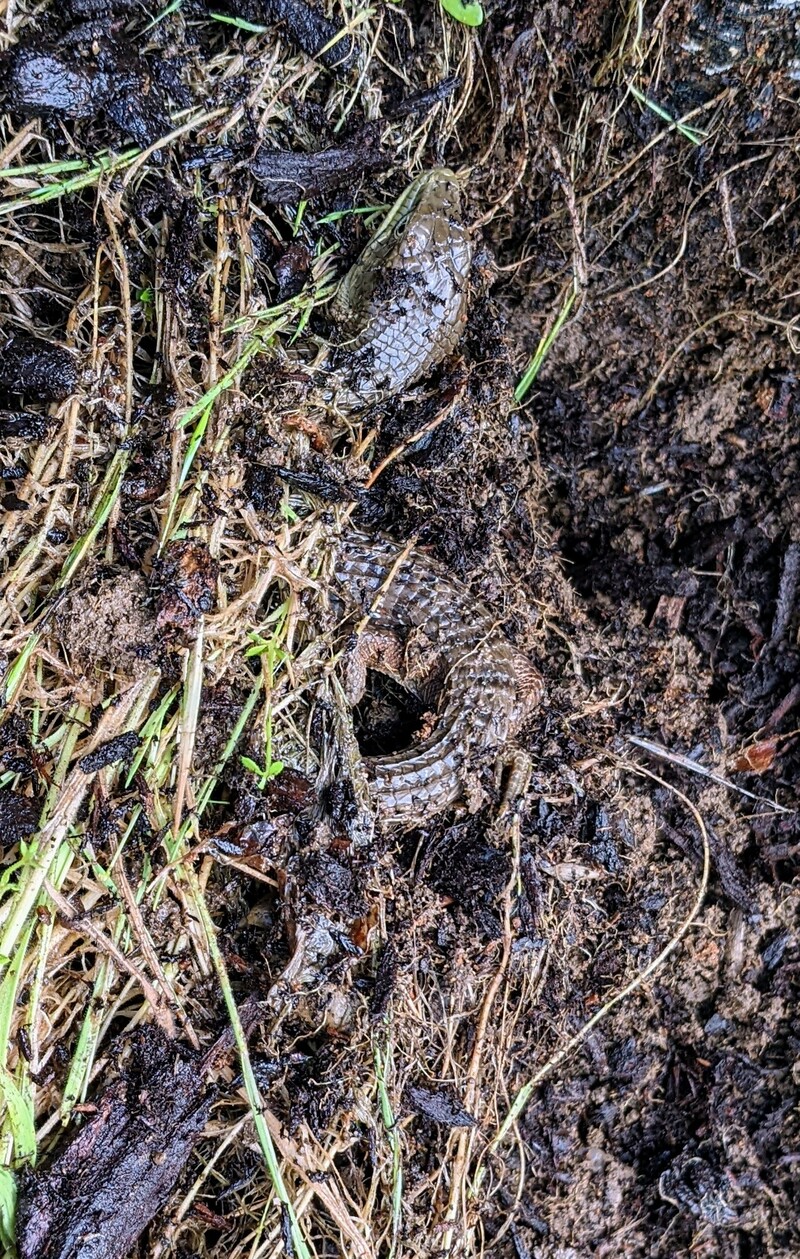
{"points": [[36, 368]]}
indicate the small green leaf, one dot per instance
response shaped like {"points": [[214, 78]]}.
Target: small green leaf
{"points": [[469, 14], [251, 765], [288, 512], [273, 770], [8, 1210]]}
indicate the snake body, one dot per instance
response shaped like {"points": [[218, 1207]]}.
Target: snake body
{"points": [[451, 644], [402, 307]]}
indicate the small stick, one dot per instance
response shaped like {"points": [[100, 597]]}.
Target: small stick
{"points": [[145, 942], [85, 926], [407, 443], [664, 754]]}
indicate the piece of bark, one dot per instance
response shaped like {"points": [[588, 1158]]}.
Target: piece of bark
{"points": [[440, 1106], [102, 1190], [288, 175], [292, 176]]}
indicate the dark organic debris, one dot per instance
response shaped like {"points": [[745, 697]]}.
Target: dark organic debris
{"points": [[292, 176], [419, 102], [470, 872], [324, 487], [292, 269], [318, 1087], [137, 107], [180, 264], [440, 1106], [12, 502], [696, 1185], [19, 816], [43, 81], [197, 158], [305, 26], [261, 845], [103, 1188], [290, 792], [79, 9], [184, 581], [46, 81], [120, 748], [37, 368], [146, 480], [787, 593], [25, 426], [328, 883], [262, 487], [385, 980]]}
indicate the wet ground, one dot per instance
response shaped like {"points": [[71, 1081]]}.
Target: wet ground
{"points": [[632, 518]]}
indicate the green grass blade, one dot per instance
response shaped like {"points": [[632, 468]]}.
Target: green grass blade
{"points": [[252, 27], [9, 986], [8, 1211], [383, 1068], [44, 168], [544, 347], [101, 511], [19, 1115], [254, 1098], [225, 381], [40, 855], [693, 134], [62, 188]]}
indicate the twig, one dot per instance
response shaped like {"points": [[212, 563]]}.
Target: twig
{"points": [[410, 441], [84, 926], [675, 758]]}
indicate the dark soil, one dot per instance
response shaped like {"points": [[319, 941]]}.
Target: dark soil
{"points": [[667, 425]]}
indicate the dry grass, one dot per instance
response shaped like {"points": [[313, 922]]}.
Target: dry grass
{"points": [[98, 935]]}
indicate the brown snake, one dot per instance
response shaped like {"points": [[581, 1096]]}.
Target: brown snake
{"points": [[428, 630], [403, 306]]}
